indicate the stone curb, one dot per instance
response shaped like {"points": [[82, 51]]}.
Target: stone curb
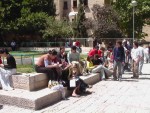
{"points": [[38, 99]]}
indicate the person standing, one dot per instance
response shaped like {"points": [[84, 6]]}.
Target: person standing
{"points": [[78, 46], [13, 45], [7, 70], [141, 62], [146, 54], [135, 54], [119, 59]]}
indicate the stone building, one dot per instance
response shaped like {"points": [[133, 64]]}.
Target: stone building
{"points": [[67, 8]]}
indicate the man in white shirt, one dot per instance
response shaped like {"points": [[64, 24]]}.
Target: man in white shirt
{"points": [[135, 58], [141, 62], [146, 54]]}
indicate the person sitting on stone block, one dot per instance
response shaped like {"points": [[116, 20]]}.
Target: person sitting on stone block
{"points": [[47, 65], [62, 59], [73, 55], [96, 67], [78, 85], [7, 70]]}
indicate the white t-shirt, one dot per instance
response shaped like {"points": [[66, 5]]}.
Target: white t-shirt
{"points": [[141, 51], [13, 43], [135, 54], [146, 50]]}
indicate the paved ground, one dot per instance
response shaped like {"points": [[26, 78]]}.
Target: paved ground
{"points": [[128, 96]]}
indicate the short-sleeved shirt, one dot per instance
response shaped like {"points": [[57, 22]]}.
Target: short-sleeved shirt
{"points": [[93, 52], [135, 54], [73, 56]]}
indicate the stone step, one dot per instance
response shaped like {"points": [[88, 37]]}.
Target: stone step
{"points": [[40, 98], [30, 81]]}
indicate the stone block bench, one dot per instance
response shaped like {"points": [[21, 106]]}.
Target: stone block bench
{"points": [[30, 81], [27, 95]]}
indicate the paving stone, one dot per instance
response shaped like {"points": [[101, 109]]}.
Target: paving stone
{"points": [[36, 99], [128, 96]]}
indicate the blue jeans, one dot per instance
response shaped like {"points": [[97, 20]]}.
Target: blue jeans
{"points": [[117, 65]]}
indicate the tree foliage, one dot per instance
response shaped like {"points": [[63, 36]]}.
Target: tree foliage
{"points": [[79, 29], [142, 16], [105, 23], [31, 17], [56, 28]]}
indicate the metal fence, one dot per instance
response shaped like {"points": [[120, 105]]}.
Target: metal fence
{"points": [[86, 42]]}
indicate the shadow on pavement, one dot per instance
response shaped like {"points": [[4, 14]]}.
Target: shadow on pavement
{"points": [[144, 78], [87, 93], [145, 74], [1, 107], [129, 80]]}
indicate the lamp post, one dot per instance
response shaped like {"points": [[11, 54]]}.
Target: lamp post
{"points": [[133, 3]]}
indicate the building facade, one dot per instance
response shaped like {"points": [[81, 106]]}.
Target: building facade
{"points": [[65, 7]]}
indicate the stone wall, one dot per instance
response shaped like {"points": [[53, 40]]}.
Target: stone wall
{"points": [[61, 12]]}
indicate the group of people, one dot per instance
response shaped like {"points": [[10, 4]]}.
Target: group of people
{"points": [[122, 57], [66, 68]]}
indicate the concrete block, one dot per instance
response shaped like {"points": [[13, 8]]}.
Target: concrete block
{"points": [[40, 98], [30, 81], [40, 84]]}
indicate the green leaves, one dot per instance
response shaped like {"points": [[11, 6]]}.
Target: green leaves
{"points": [[57, 28], [105, 23], [142, 14], [79, 29], [26, 17], [32, 23]]}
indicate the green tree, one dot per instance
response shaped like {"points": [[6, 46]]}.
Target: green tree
{"points": [[79, 29], [24, 17], [46, 6], [32, 24], [105, 23], [142, 15], [57, 29]]}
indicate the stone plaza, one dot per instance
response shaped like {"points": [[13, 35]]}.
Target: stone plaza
{"points": [[127, 96]]}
